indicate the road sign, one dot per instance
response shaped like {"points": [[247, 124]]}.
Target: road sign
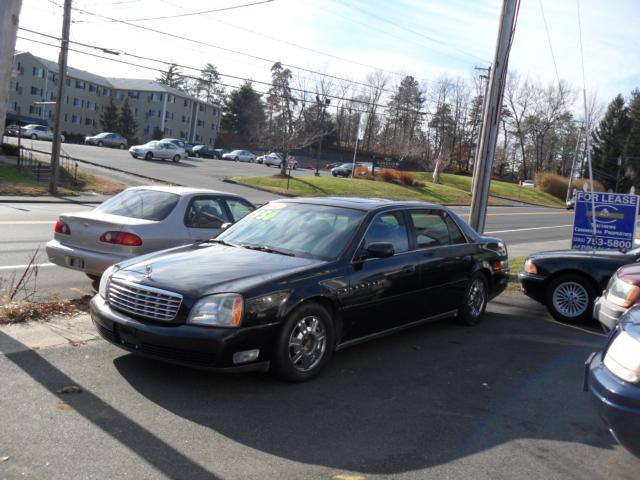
{"points": [[386, 163], [362, 126], [615, 216]]}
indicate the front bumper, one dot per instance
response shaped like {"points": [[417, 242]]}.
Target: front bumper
{"points": [[607, 313], [188, 345], [91, 263], [617, 403], [533, 286]]}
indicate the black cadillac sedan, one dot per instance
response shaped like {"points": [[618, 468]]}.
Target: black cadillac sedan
{"points": [[297, 279]]}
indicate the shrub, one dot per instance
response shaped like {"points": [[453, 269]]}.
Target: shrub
{"points": [[418, 183], [388, 175], [557, 185], [406, 178], [11, 150], [362, 172]]}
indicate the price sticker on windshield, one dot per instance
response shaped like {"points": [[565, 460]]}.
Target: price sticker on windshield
{"points": [[269, 211], [615, 221]]}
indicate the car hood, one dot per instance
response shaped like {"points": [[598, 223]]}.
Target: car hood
{"points": [[201, 269], [583, 254]]}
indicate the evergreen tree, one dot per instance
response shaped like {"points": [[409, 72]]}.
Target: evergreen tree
{"points": [[243, 115], [109, 117], [209, 84], [632, 146], [127, 125], [172, 77], [609, 140]]}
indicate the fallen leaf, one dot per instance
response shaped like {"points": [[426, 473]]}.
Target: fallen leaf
{"points": [[3, 459], [70, 389]]}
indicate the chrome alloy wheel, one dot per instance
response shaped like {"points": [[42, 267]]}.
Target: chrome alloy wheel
{"points": [[307, 343], [570, 299], [476, 297]]}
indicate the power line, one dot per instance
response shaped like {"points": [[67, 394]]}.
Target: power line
{"points": [[546, 28], [229, 50], [301, 100]]}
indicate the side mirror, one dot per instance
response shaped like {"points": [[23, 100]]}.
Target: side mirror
{"points": [[380, 250], [224, 226]]}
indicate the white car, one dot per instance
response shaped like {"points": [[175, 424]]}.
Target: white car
{"points": [[158, 149], [275, 160], [528, 183], [38, 132], [240, 156], [141, 220]]}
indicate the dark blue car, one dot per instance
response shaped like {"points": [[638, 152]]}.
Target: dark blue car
{"points": [[612, 378]]}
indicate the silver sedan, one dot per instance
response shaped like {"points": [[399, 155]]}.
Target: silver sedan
{"points": [[158, 149], [141, 220], [107, 139]]}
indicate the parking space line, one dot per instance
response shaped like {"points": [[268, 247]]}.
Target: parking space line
{"points": [[531, 228], [19, 267]]}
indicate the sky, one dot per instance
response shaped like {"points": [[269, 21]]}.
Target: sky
{"points": [[427, 39]]}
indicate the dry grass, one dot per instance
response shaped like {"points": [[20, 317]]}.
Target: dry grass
{"points": [[557, 185]]}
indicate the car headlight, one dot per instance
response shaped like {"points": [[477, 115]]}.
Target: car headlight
{"points": [[222, 310], [105, 279], [623, 358], [530, 267], [622, 293]]}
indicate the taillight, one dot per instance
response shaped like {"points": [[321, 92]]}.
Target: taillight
{"points": [[62, 227], [121, 238]]}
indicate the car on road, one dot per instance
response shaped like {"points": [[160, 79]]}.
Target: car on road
{"points": [[568, 281], [12, 130], [298, 279], [206, 151], [528, 183], [275, 160], [38, 132], [622, 293], [612, 378], [141, 220], [344, 170], [187, 147], [240, 156], [158, 149], [107, 139]]}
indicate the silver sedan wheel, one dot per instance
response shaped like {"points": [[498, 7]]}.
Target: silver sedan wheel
{"points": [[307, 343], [570, 299], [476, 297]]}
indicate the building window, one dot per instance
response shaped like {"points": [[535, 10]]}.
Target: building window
{"points": [[35, 110], [146, 130], [52, 76], [88, 121], [202, 108], [186, 103], [77, 119], [80, 84], [36, 92], [184, 119], [201, 123], [14, 107], [168, 115], [135, 95], [198, 138], [167, 131], [68, 82], [76, 102], [66, 117], [38, 72], [155, 97]]}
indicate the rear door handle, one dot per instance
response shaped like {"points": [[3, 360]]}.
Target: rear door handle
{"points": [[409, 269]]}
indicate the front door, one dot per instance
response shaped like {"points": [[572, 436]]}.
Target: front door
{"points": [[204, 218], [381, 292]]}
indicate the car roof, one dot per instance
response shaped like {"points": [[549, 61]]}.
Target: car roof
{"points": [[359, 203], [183, 191]]}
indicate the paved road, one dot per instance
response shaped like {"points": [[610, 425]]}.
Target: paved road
{"points": [[502, 400], [28, 226]]}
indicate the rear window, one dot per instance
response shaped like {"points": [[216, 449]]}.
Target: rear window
{"points": [[141, 204]]}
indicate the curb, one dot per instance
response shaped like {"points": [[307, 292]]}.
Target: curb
{"points": [[524, 203], [266, 190], [52, 201]]}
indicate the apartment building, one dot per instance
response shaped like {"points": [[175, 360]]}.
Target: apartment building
{"points": [[86, 95]]}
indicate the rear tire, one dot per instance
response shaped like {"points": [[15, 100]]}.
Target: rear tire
{"points": [[95, 281], [197, 155], [476, 297], [569, 298], [100, 144], [121, 146], [237, 159], [148, 156], [176, 159], [305, 344]]}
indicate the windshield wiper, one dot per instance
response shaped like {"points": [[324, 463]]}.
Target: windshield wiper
{"points": [[221, 242], [264, 248]]}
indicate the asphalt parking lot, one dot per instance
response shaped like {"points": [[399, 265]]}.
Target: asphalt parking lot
{"points": [[500, 400]]}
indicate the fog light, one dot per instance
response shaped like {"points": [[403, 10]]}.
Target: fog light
{"points": [[246, 356]]}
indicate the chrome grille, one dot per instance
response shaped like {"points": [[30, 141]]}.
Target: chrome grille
{"points": [[142, 300]]}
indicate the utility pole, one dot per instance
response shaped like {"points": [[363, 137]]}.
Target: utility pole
{"points": [[620, 160], [62, 74], [491, 118], [573, 164], [323, 105], [9, 15]]}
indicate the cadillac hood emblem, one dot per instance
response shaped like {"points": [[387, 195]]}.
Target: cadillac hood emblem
{"points": [[147, 271]]}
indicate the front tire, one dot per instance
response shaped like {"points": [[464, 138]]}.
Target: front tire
{"points": [[34, 136], [237, 159], [305, 344], [569, 298], [121, 146], [100, 144], [148, 156], [476, 297]]}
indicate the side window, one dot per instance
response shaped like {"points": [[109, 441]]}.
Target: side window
{"points": [[238, 208], [430, 228], [454, 231], [389, 228], [205, 213]]}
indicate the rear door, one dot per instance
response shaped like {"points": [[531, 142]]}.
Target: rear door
{"points": [[204, 217]]}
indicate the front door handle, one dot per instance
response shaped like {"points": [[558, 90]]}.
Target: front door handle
{"points": [[409, 269]]}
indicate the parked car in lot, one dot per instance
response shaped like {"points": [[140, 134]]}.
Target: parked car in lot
{"points": [[568, 281], [38, 132], [158, 149], [622, 293], [181, 144], [206, 151], [188, 146], [240, 156], [275, 160], [12, 130], [528, 183], [344, 170], [141, 220], [612, 378], [298, 279], [107, 139]]}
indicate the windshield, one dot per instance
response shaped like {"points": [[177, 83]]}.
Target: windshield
{"points": [[141, 204], [152, 144], [102, 135], [306, 230]]}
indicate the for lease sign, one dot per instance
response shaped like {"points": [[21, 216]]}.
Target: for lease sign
{"points": [[615, 219]]}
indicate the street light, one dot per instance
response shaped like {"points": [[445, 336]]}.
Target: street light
{"points": [[323, 105]]}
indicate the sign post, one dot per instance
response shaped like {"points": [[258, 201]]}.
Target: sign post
{"points": [[612, 227], [362, 128]]}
